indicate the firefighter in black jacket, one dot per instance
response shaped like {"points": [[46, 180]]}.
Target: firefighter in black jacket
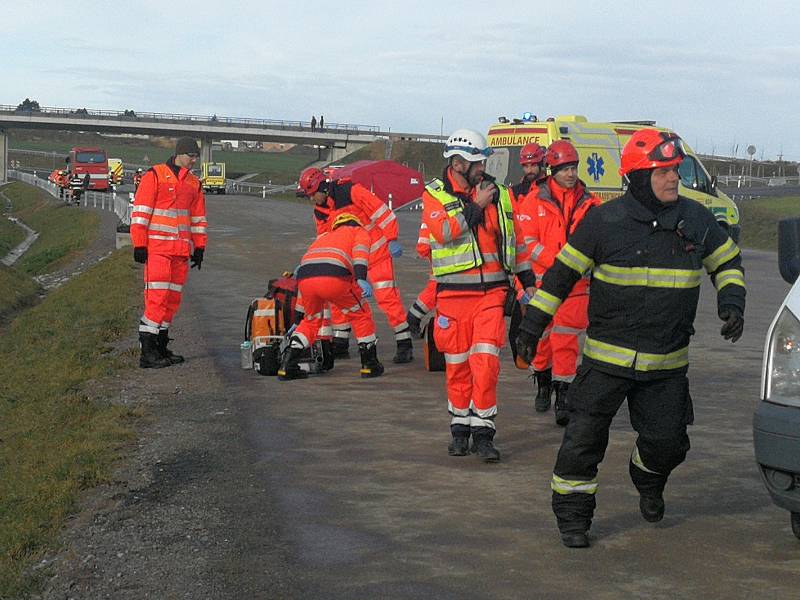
{"points": [[646, 251]]}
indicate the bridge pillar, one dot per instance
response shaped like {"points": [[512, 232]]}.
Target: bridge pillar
{"points": [[3, 156], [332, 154], [205, 150]]}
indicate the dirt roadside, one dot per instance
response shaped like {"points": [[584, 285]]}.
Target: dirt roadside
{"points": [[170, 523]]}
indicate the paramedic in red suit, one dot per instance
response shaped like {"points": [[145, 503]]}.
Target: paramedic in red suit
{"points": [[548, 215], [334, 271], [426, 300], [168, 227], [472, 234], [330, 198]]}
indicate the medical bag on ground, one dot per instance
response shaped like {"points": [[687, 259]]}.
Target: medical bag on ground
{"points": [[434, 360], [268, 321]]}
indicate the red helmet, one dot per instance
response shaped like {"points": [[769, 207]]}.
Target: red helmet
{"points": [[561, 153], [531, 154], [310, 180], [651, 149]]}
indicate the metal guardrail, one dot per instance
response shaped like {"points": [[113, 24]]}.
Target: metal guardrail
{"points": [[257, 189], [134, 116], [748, 180], [120, 204]]}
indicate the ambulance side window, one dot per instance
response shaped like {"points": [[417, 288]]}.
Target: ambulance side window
{"points": [[693, 176], [497, 165]]}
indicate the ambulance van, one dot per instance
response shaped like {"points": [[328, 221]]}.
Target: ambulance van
{"points": [[599, 146]]}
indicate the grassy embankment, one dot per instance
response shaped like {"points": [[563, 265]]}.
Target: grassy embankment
{"points": [[54, 439], [426, 157], [62, 232], [759, 220]]}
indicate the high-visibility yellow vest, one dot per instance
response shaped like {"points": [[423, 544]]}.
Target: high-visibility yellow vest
{"points": [[463, 253]]}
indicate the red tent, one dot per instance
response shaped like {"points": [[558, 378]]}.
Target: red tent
{"points": [[385, 178]]}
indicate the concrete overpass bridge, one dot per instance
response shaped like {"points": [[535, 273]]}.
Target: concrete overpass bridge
{"points": [[335, 140]]}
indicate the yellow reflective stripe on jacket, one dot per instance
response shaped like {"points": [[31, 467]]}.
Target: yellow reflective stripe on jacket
{"points": [[629, 358], [720, 256], [729, 276], [545, 302], [572, 486], [648, 276], [575, 259], [505, 217], [456, 255], [609, 353], [662, 362], [463, 253]]}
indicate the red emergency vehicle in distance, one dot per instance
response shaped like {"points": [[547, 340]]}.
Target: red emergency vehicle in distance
{"points": [[91, 160]]}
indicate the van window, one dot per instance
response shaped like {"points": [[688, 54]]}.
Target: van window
{"points": [[214, 170], [90, 157], [694, 176], [497, 165]]}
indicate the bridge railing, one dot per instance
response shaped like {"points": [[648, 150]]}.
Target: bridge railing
{"points": [[749, 181], [213, 120], [258, 189], [120, 203]]}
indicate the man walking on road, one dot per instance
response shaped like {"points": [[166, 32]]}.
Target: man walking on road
{"points": [[646, 251], [168, 226], [548, 216], [471, 226]]}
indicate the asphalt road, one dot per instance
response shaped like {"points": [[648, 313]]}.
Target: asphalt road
{"points": [[358, 488]]}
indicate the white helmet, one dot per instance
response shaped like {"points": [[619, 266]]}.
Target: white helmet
{"points": [[468, 144]]}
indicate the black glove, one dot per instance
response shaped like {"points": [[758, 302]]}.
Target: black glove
{"points": [[526, 345], [140, 254], [197, 258], [734, 323]]}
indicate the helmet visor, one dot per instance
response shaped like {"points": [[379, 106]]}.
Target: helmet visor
{"points": [[668, 150], [471, 150]]}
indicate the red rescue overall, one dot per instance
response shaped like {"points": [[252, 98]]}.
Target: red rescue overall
{"points": [[169, 218]]}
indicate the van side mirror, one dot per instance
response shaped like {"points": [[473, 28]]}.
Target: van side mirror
{"points": [[789, 249], [713, 182]]}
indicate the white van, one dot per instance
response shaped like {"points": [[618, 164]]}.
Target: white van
{"points": [[776, 423]]}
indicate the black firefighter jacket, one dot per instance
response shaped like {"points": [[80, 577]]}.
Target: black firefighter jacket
{"points": [[646, 273]]}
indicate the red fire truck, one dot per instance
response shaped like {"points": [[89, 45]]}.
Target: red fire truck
{"points": [[93, 161]]}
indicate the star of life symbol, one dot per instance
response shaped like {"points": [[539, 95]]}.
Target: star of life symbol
{"points": [[596, 170]]}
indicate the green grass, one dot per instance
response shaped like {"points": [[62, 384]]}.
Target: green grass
{"points": [[63, 230], [54, 439], [425, 157], [11, 235], [759, 220], [16, 290], [280, 167]]}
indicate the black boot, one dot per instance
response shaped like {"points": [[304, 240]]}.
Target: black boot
{"points": [[341, 347], [544, 390], [163, 340], [414, 325], [562, 413], [405, 352], [151, 357], [483, 446], [327, 355], [652, 508], [459, 445], [370, 365], [290, 368], [579, 539]]}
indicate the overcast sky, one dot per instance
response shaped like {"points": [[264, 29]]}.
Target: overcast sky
{"points": [[720, 73]]}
